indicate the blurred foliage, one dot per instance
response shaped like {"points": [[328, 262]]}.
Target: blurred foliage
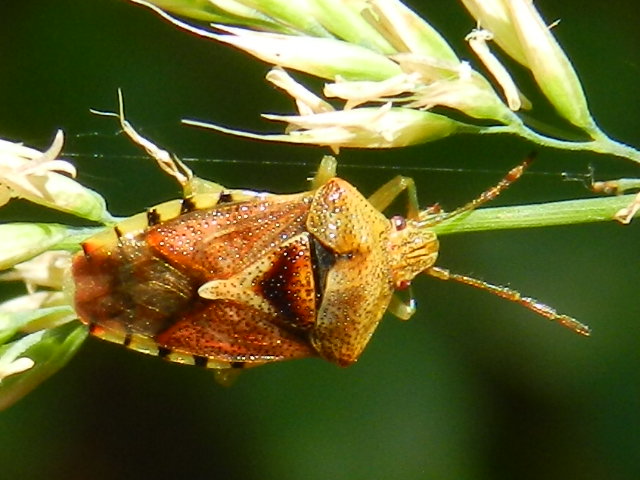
{"points": [[472, 387]]}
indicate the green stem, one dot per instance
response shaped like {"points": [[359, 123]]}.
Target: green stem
{"points": [[567, 212], [600, 144]]}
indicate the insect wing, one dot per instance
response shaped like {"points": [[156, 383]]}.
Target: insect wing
{"points": [[221, 242], [146, 284]]}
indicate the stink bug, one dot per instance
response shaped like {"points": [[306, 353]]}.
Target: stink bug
{"points": [[234, 278]]}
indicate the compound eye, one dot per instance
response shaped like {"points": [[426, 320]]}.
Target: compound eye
{"points": [[403, 284], [398, 222]]}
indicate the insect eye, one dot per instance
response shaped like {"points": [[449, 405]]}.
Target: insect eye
{"points": [[398, 222], [403, 284]]}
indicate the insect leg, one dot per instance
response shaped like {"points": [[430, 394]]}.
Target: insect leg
{"points": [[326, 171], [514, 296], [403, 309], [618, 187], [387, 193]]}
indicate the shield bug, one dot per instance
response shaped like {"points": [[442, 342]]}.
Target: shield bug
{"points": [[234, 278]]}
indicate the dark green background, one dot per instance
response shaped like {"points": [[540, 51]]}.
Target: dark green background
{"points": [[473, 387]]}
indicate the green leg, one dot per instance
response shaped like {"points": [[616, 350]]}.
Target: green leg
{"points": [[326, 171], [387, 193], [404, 307]]}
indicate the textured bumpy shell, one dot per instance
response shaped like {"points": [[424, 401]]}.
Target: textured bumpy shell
{"points": [[239, 278], [359, 285]]}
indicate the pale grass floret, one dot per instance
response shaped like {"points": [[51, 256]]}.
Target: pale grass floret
{"points": [[363, 48], [10, 366], [493, 16], [521, 32], [38, 177], [22, 241], [323, 57], [382, 78], [452, 85], [168, 162], [359, 75], [24, 171], [358, 92], [29, 302], [46, 303], [307, 102], [626, 214], [42, 309], [407, 31], [370, 127], [477, 40], [32, 315], [46, 270]]}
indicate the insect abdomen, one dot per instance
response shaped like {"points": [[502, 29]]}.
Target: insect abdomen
{"points": [[129, 288]]}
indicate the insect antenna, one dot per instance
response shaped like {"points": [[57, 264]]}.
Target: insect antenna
{"points": [[514, 296], [432, 216], [429, 219]]}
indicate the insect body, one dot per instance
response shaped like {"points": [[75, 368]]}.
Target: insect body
{"points": [[240, 278], [236, 278]]}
